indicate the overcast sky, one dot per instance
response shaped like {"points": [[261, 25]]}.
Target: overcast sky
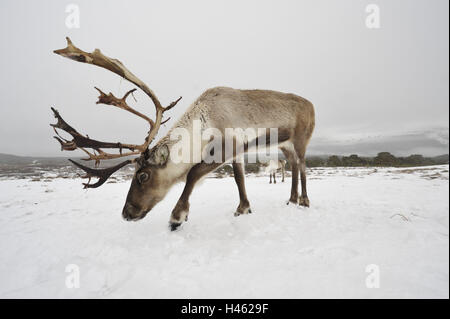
{"points": [[391, 81]]}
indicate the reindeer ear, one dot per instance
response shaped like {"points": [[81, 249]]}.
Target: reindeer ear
{"points": [[160, 155]]}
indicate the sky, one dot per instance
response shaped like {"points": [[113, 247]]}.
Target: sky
{"points": [[374, 89]]}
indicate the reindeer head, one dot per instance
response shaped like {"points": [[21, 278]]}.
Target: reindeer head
{"points": [[148, 186], [150, 183]]}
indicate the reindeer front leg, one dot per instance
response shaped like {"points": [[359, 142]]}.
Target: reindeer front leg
{"points": [[181, 210]]}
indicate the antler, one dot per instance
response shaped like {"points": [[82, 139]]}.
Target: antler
{"points": [[82, 142], [102, 174]]}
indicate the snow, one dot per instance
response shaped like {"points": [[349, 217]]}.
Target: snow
{"points": [[396, 219]]}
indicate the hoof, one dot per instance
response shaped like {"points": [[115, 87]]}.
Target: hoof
{"points": [[179, 214], [243, 212], [243, 208], [303, 201], [174, 226]]}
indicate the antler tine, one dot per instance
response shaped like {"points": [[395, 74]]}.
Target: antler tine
{"points": [[110, 99], [171, 105], [102, 174], [80, 141]]}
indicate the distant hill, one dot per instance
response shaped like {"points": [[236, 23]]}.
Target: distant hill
{"points": [[14, 160], [8, 159]]}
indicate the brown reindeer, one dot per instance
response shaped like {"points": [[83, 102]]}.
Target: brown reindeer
{"points": [[219, 108]]}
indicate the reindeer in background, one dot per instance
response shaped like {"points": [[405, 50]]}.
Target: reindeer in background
{"points": [[219, 108], [273, 167]]}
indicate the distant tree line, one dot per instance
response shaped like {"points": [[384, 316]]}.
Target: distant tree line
{"points": [[383, 159]]}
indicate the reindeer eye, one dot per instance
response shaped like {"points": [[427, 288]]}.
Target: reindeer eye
{"points": [[142, 177]]}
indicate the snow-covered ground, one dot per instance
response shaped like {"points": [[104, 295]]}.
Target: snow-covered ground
{"points": [[395, 219]]}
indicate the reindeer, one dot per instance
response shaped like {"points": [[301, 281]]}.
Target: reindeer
{"points": [[219, 108], [273, 167]]}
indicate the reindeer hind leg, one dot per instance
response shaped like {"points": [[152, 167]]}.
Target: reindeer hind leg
{"points": [[291, 157], [300, 149]]}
